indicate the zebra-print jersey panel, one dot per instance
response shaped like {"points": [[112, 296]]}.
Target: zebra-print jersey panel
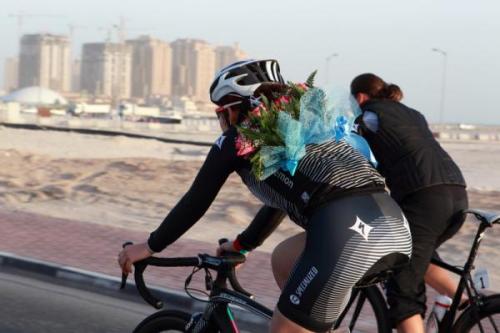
{"points": [[333, 163], [389, 235], [337, 163]]}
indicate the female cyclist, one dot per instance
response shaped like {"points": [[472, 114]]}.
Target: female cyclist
{"points": [[352, 226], [425, 182]]}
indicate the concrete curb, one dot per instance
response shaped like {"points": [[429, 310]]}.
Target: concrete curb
{"points": [[104, 132], [109, 285]]}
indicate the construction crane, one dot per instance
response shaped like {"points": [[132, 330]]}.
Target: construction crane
{"points": [[21, 16], [72, 28]]}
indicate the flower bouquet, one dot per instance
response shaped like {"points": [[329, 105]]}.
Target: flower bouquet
{"points": [[275, 134]]}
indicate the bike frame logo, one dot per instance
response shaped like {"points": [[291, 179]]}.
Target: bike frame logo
{"points": [[295, 298]]}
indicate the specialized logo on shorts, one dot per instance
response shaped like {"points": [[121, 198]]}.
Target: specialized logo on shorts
{"points": [[219, 141], [295, 298], [361, 228]]}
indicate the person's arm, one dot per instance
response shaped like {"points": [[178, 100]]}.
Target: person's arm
{"points": [[262, 225], [212, 175]]}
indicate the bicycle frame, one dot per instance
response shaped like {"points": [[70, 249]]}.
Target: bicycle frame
{"points": [[465, 283], [218, 311]]}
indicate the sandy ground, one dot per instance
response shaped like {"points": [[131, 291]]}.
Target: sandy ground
{"points": [[133, 183]]}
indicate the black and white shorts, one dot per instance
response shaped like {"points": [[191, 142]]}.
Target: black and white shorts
{"points": [[345, 239]]}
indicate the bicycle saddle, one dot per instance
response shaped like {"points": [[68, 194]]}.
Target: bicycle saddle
{"points": [[489, 218]]}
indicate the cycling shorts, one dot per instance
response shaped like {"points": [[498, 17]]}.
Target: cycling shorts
{"points": [[344, 240]]}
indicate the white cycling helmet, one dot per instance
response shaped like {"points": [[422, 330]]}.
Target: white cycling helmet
{"points": [[241, 79]]}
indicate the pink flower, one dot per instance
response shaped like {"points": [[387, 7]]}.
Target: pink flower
{"points": [[244, 147], [285, 99], [282, 100], [303, 86], [256, 112]]}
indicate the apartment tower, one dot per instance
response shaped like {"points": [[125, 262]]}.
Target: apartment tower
{"points": [[45, 61]]}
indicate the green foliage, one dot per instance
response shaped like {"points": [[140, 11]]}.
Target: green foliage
{"points": [[257, 166], [311, 78], [262, 129]]}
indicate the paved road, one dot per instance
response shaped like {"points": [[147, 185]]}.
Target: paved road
{"points": [[30, 305]]}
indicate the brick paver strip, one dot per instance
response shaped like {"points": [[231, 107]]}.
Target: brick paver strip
{"points": [[95, 248]]}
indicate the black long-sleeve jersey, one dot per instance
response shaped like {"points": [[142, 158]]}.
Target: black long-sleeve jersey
{"points": [[328, 170]]}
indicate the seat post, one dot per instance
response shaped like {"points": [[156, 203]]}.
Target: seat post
{"points": [[469, 265]]}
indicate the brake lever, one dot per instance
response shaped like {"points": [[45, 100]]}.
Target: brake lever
{"points": [[124, 276], [236, 285]]}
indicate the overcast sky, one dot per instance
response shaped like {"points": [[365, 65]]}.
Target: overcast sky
{"points": [[392, 38]]}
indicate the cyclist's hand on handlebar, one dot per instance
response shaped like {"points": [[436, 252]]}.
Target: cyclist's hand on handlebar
{"points": [[225, 247], [131, 254]]}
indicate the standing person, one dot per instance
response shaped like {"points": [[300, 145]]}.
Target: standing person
{"points": [[352, 225], [424, 181]]}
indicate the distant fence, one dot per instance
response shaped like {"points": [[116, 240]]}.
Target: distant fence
{"points": [[469, 135], [198, 131], [107, 133]]}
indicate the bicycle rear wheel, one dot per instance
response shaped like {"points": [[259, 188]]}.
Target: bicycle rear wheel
{"points": [[485, 320], [366, 312], [168, 321]]}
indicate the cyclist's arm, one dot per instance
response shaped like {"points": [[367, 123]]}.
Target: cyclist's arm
{"points": [[263, 224], [212, 175]]}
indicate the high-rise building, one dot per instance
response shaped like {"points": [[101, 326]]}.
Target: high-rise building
{"points": [[226, 55], [10, 72], [45, 61], [193, 69], [151, 67], [106, 70], [76, 68]]}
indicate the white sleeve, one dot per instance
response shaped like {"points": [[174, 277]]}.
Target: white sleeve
{"points": [[371, 120]]}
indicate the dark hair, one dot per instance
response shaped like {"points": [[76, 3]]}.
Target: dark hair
{"points": [[375, 87]]}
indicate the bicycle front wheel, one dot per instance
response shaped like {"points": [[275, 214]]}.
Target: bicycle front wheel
{"points": [[168, 321], [486, 318], [366, 312]]}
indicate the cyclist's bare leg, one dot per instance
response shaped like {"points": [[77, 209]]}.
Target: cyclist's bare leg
{"points": [[284, 256], [441, 281], [413, 324], [281, 324]]}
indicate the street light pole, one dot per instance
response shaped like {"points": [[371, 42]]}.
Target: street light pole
{"points": [[327, 73], [443, 83]]}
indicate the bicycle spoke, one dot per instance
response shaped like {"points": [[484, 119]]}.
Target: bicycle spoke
{"points": [[481, 329], [493, 324]]}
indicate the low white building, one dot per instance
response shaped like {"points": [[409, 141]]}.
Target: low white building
{"points": [[36, 96]]}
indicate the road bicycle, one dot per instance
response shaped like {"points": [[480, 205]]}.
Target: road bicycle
{"points": [[481, 313], [367, 303]]}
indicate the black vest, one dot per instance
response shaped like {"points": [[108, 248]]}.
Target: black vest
{"points": [[409, 156]]}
